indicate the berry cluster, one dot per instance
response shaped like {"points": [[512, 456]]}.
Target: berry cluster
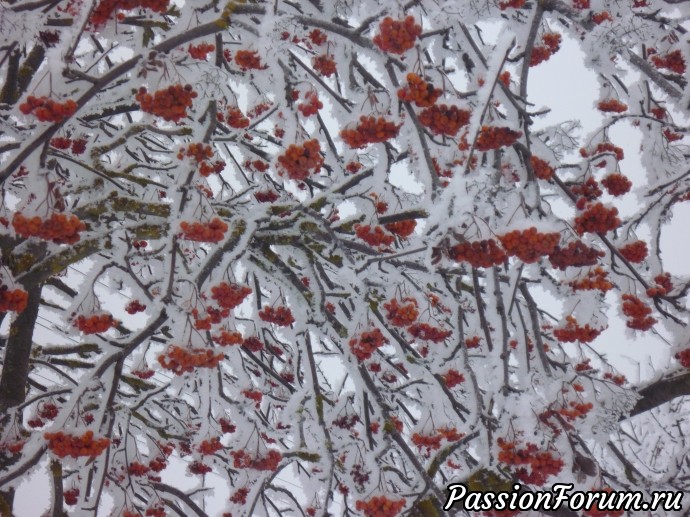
{"points": [[253, 344], [673, 61], [47, 110], [312, 104], [529, 245], [426, 332], [240, 496], [137, 469], [234, 118], [581, 4], [380, 506], [318, 37], [266, 196], [638, 312], [616, 184], [367, 343], [574, 332], [433, 441], [71, 496], [281, 316], [444, 120], [226, 338], [180, 360], [59, 228], [226, 426], [105, 8], [96, 323], [201, 154], [210, 446], [551, 44], [213, 231], [64, 445], [397, 37], [612, 106], [587, 191], [143, 374], [597, 219], [472, 342], [199, 468], [634, 252], [575, 410], [300, 161], [452, 378], [77, 146], [423, 94], [596, 279], [484, 253], [369, 130], [664, 285], [243, 460], [402, 228], [604, 147], [14, 300], [671, 136], [401, 315], [541, 168], [135, 306], [542, 463], [249, 60], [373, 236], [324, 64], [201, 50], [595, 511], [495, 137], [515, 4], [170, 104], [576, 254], [683, 358]]}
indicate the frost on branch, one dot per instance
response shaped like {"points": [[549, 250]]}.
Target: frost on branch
{"points": [[326, 258]]}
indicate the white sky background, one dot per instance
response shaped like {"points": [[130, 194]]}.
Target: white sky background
{"points": [[571, 91]]}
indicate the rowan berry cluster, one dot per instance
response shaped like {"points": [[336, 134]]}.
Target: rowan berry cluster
{"points": [[618, 380], [634, 252], [417, 90], [317, 37], [59, 228], [581, 4], [427, 441], [551, 44], [155, 511], [226, 338], [96, 323], [574, 332], [616, 184], [542, 463], [472, 342], [587, 191], [373, 236], [664, 285], [312, 104], [575, 410], [671, 136], [48, 110], [402, 228], [369, 130], [243, 460], [63, 445], [576, 254], [201, 50], [135, 306], [595, 511], [380, 506], [137, 469], [71, 496], [367, 343], [226, 426], [529, 245], [281, 316], [452, 378], [14, 300], [181, 360], [143, 374], [541, 168], [253, 344], [300, 161], [105, 8], [210, 446], [612, 106], [201, 153], [683, 358], [491, 137], [604, 147], [442, 119], [249, 60], [170, 103], [484, 253], [596, 279], [673, 61], [401, 315], [240, 496], [324, 64], [515, 4], [212, 231], [234, 118], [427, 332], [199, 468], [597, 219], [266, 196], [77, 146], [638, 313], [397, 37]]}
